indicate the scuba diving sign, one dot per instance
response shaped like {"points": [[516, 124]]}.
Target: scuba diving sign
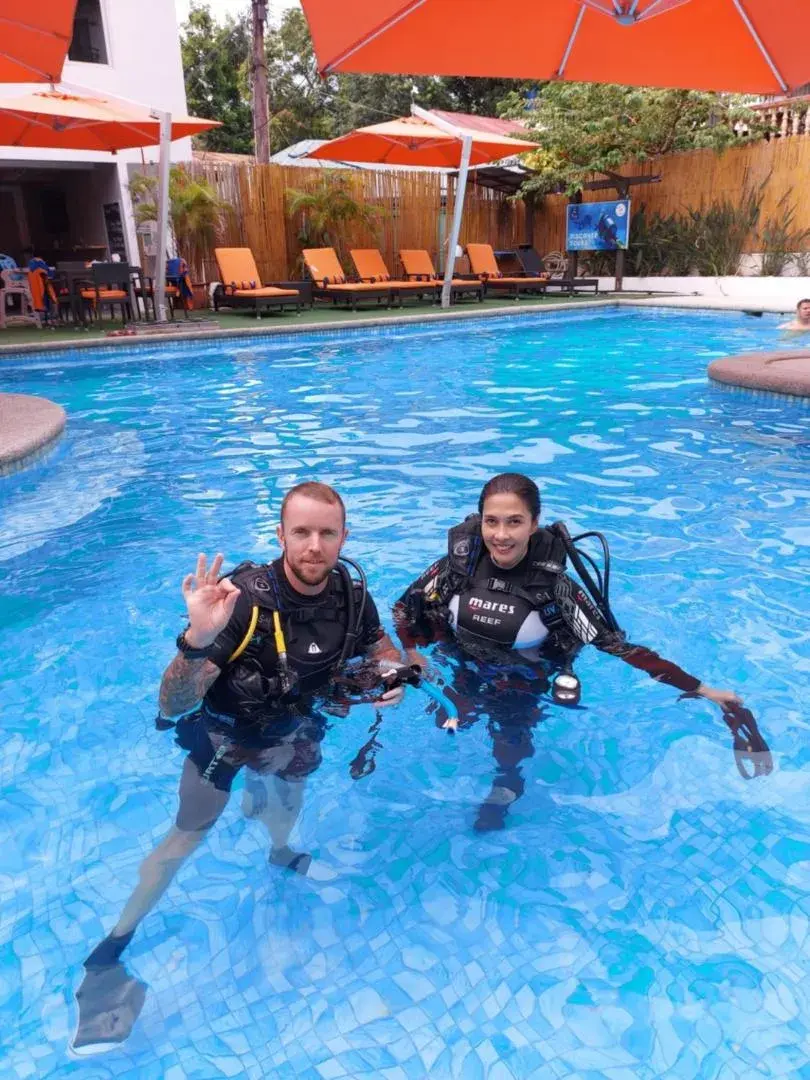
{"points": [[597, 226]]}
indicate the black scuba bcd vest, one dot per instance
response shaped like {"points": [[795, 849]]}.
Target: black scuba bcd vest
{"points": [[546, 562], [250, 681], [465, 545]]}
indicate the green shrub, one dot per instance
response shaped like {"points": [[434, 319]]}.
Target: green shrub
{"points": [[720, 233], [707, 241], [780, 241]]}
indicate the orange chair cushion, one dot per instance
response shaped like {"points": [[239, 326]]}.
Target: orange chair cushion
{"points": [[512, 280], [357, 286], [417, 262], [370, 264], [266, 290], [171, 290], [105, 294], [237, 265], [324, 266], [482, 259]]}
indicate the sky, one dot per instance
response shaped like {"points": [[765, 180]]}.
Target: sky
{"points": [[222, 8]]}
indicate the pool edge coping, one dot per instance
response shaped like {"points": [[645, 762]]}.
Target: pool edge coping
{"points": [[43, 424], [150, 341], [690, 303]]}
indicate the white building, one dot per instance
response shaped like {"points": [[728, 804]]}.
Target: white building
{"points": [[75, 204]]}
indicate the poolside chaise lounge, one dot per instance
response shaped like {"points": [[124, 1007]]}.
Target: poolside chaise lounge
{"points": [[418, 266], [534, 266], [242, 287], [370, 267], [484, 265], [329, 280]]}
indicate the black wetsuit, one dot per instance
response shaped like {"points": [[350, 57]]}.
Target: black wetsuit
{"points": [[242, 708], [518, 625]]}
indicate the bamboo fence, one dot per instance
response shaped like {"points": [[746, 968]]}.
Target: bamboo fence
{"points": [[408, 206], [699, 178], [490, 217], [412, 211]]}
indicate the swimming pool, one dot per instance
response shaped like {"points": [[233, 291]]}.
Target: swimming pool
{"points": [[645, 912]]}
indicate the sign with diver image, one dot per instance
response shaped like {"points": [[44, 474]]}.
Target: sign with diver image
{"points": [[598, 226]]}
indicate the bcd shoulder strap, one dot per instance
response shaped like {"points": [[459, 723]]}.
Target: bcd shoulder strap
{"points": [[464, 546], [255, 581]]}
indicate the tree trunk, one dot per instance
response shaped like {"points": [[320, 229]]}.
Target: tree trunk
{"points": [[258, 70]]}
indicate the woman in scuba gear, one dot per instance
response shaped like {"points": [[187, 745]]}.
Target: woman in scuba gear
{"points": [[281, 631], [501, 594]]}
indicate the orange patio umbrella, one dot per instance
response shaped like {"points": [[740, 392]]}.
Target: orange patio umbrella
{"points": [[59, 121], [752, 46], [66, 121], [426, 140], [34, 39], [418, 143]]}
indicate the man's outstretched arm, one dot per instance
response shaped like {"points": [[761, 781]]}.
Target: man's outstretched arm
{"points": [[184, 683]]}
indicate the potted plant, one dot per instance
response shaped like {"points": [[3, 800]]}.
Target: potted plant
{"points": [[327, 211], [195, 211]]}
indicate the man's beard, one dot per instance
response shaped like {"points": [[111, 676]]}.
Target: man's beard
{"points": [[309, 574]]}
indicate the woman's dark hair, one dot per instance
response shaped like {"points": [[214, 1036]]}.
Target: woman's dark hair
{"points": [[512, 483]]}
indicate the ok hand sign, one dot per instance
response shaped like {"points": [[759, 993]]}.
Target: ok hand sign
{"points": [[210, 602]]}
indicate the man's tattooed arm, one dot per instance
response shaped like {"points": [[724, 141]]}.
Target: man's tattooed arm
{"points": [[184, 683]]}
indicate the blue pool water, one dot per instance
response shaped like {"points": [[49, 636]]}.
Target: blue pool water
{"points": [[644, 914]]}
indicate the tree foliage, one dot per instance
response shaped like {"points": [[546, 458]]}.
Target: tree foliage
{"points": [[587, 128], [195, 210], [216, 61]]}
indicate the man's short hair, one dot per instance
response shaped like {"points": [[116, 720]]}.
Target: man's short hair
{"points": [[313, 489], [805, 301]]}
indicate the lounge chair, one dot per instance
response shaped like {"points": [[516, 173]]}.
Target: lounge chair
{"points": [[484, 265], [553, 264], [242, 287], [329, 281], [370, 267], [418, 266]]}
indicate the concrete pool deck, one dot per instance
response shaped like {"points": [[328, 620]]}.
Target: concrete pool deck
{"points": [[29, 426]]}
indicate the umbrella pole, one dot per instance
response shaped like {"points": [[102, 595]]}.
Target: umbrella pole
{"points": [[458, 210], [163, 214]]}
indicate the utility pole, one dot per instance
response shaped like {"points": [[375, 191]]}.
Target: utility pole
{"points": [[258, 70]]}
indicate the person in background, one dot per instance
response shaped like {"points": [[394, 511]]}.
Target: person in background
{"points": [[801, 321], [40, 282]]}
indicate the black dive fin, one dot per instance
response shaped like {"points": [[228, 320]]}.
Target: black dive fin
{"points": [[110, 1001]]}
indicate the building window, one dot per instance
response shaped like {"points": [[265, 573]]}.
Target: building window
{"points": [[88, 45]]}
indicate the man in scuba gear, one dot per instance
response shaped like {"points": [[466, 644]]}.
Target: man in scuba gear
{"points": [[502, 595], [259, 644]]}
